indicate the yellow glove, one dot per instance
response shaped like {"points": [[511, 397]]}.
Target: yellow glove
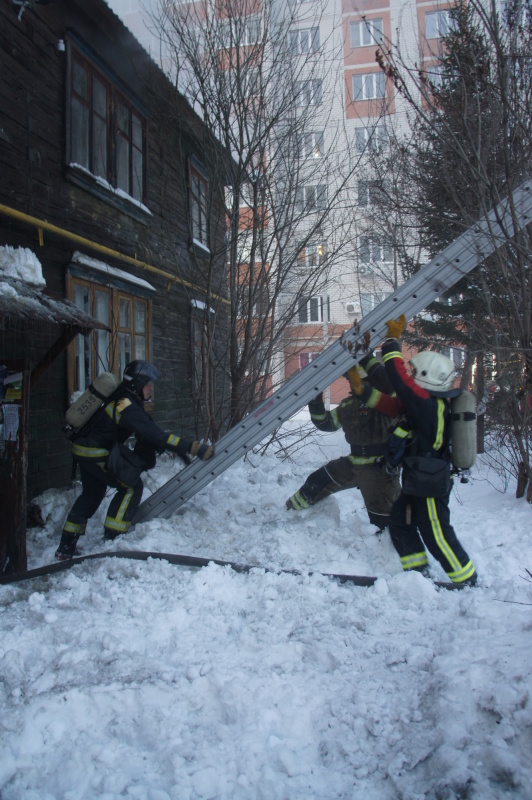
{"points": [[203, 451], [395, 327], [355, 380]]}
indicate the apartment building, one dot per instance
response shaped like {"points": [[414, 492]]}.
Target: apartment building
{"points": [[359, 109]]}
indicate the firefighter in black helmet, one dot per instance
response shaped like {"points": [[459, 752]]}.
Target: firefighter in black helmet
{"points": [[121, 417]]}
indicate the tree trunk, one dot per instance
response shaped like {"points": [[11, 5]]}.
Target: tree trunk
{"points": [[522, 481]]}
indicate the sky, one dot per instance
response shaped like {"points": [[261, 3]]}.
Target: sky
{"points": [[142, 679]]}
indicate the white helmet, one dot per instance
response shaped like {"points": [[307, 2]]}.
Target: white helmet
{"points": [[434, 372]]}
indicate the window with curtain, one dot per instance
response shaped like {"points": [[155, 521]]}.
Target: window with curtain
{"points": [[312, 255], [129, 321], [366, 32], [309, 92], [107, 133], [304, 40], [437, 24], [369, 86], [311, 145]]}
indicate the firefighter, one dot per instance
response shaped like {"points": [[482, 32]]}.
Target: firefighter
{"points": [[366, 431], [420, 517], [121, 417]]}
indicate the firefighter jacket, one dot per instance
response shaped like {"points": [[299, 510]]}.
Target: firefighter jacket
{"points": [[428, 417], [366, 430], [420, 441], [119, 419]]}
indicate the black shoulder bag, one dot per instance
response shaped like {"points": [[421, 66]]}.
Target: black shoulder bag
{"points": [[123, 464], [424, 476]]}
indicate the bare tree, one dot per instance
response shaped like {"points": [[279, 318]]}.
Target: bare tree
{"points": [[469, 147], [256, 75]]}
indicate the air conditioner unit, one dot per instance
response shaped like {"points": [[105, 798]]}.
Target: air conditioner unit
{"points": [[351, 307], [365, 270]]}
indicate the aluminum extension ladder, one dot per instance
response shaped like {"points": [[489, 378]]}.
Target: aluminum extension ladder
{"points": [[439, 275]]}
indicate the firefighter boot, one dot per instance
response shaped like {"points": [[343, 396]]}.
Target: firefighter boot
{"points": [[67, 547]]}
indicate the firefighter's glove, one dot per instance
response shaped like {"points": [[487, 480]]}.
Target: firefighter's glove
{"points": [[183, 448], [147, 452], [316, 405], [355, 380], [203, 451], [395, 327]]}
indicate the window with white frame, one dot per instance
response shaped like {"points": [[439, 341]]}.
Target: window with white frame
{"points": [[311, 145], [252, 30], [456, 355], [374, 249], [246, 195], [312, 255], [244, 246], [252, 190], [515, 13], [198, 193], [366, 32], [369, 86], [438, 24], [311, 198], [370, 300], [253, 300], [309, 92], [304, 40], [306, 358], [262, 358], [241, 302], [434, 75], [240, 31], [370, 138], [368, 193], [310, 310], [251, 81]]}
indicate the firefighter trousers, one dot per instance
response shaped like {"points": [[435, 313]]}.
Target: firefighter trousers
{"points": [[379, 490], [95, 482], [419, 522]]}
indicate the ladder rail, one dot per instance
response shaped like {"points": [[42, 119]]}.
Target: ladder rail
{"points": [[439, 275]]}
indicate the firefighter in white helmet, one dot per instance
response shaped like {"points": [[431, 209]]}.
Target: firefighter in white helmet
{"points": [[420, 518]]}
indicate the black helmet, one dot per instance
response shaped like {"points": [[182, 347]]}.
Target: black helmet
{"points": [[138, 373]]}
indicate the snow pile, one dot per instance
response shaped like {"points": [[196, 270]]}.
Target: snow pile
{"points": [[145, 680], [101, 266], [21, 264]]}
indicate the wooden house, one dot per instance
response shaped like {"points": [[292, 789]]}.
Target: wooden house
{"points": [[101, 176]]}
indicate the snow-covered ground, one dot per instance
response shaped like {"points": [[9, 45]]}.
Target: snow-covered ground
{"points": [[131, 679]]}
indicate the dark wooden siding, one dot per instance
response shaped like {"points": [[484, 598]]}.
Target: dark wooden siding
{"points": [[34, 179]]}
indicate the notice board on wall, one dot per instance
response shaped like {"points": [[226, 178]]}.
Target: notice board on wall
{"points": [[14, 410]]}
